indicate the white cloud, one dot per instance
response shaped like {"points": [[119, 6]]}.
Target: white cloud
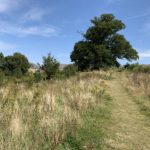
{"points": [[17, 23], [145, 54], [35, 14], [7, 5], [25, 31], [138, 16], [32, 13], [112, 1], [6, 46], [21, 31]]}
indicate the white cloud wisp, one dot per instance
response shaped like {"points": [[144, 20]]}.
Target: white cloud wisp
{"points": [[145, 54], [22, 31], [8, 5]]}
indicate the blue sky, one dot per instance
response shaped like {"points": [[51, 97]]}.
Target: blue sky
{"points": [[37, 27]]}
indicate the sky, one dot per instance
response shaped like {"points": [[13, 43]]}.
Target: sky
{"points": [[38, 27]]}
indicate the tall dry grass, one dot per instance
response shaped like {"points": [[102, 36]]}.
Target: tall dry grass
{"points": [[139, 81], [138, 86], [40, 116]]}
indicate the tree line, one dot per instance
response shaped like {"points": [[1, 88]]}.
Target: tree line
{"points": [[17, 65], [101, 47]]}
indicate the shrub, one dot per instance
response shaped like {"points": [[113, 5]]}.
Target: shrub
{"points": [[59, 75], [2, 76], [138, 68], [70, 70], [38, 76]]}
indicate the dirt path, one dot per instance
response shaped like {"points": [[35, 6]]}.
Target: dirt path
{"points": [[129, 129]]}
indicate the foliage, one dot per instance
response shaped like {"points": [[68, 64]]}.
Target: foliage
{"points": [[39, 76], [16, 65], [2, 77], [60, 75], [138, 68], [50, 66], [102, 45], [70, 70]]}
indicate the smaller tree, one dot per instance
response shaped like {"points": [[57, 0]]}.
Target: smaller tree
{"points": [[50, 66]]}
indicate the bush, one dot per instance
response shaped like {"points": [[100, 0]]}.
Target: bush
{"points": [[138, 68], [2, 76], [60, 75], [70, 70], [38, 76]]}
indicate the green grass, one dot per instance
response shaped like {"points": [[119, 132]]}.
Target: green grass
{"points": [[91, 133]]}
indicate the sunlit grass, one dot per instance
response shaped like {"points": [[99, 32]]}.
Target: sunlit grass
{"points": [[47, 115], [138, 86]]}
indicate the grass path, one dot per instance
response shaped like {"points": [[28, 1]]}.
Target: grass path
{"points": [[129, 129]]}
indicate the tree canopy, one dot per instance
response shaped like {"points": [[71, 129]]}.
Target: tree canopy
{"points": [[16, 64], [102, 45]]}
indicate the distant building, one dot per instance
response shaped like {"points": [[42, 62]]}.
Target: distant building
{"points": [[62, 66], [34, 67]]}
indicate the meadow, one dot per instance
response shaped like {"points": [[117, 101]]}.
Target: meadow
{"points": [[57, 114], [91, 110]]}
